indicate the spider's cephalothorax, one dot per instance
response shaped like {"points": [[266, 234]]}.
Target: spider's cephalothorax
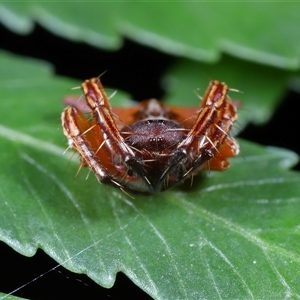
{"points": [[151, 147]]}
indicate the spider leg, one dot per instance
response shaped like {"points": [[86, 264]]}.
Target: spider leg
{"points": [[220, 139], [215, 94], [137, 167], [74, 124], [228, 149], [225, 115], [205, 139], [176, 160], [99, 104], [198, 163], [115, 142]]}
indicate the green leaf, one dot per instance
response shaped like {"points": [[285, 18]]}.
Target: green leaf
{"points": [[9, 297], [232, 235], [260, 32]]}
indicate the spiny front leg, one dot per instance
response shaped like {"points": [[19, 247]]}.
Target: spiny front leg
{"points": [[215, 94], [87, 140], [102, 114], [219, 136], [211, 130], [124, 158]]}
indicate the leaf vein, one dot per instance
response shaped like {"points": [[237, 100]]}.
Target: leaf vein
{"points": [[236, 184], [17, 136], [68, 194], [213, 218], [163, 241], [154, 289], [227, 261]]}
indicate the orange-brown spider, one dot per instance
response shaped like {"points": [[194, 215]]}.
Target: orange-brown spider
{"points": [[151, 147]]}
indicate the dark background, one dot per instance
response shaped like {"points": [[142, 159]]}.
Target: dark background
{"points": [[136, 70]]}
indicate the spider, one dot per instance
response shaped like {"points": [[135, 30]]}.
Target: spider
{"points": [[151, 147]]}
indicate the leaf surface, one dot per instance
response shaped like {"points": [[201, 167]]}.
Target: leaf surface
{"points": [[232, 235]]}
